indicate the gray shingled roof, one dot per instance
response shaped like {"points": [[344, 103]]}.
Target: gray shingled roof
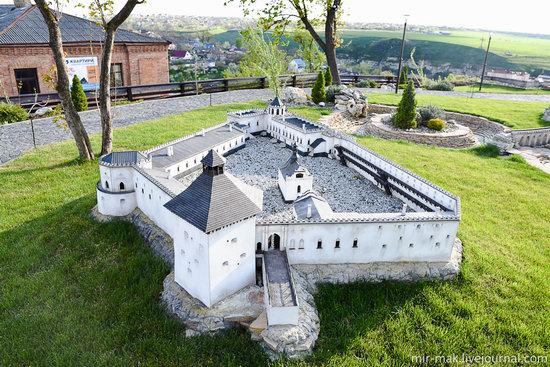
{"points": [[194, 145], [291, 165], [122, 158], [212, 159], [212, 202], [26, 26], [317, 142], [276, 102]]}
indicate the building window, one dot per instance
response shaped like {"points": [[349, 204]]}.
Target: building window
{"points": [[437, 244], [234, 240], [225, 263], [243, 255], [106, 184], [299, 175], [301, 245], [292, 245], [116, 75], [142, 191], [136, 185], [121, 185], [298, 189], [355, 243], [27, 81], [411, 244], [337, 244], [319, 244]]}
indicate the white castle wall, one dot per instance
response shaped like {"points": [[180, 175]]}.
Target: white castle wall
{"points": [[232, 259], [111, 198], [150, 198], [195, 161], [415, 240], [191, 263], [289, 186], [436, 194]]}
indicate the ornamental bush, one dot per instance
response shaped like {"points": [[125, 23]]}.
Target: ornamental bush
{"points": [[367, 84], [10, 113], [318, 93], [429, 112], [328, 77], [436, 124], [405, 118], [78, 96], [442, 85]]}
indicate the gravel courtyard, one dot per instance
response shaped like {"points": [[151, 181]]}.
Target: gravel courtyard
{"points": [[344, 189]]}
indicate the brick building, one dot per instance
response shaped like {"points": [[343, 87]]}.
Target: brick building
{"points": [[25, 55]]}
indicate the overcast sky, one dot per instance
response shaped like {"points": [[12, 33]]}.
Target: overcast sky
{"points": [[528, 16]]}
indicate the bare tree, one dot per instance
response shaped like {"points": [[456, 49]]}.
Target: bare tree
{"points": [[52, 18], [103, 11]]}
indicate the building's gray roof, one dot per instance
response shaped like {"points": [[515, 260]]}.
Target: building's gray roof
{"points": [[213, 159], [27, 26], [317, 142], [212, 202], [189, 147], [320, 209], [127, 158], [300, 123], [291, 165], [276, 102]]}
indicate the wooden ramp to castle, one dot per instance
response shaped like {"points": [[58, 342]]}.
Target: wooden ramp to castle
{"points": [[279, 282]]}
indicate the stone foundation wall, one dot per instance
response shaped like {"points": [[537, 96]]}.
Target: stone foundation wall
{"points": [[379, 271], [462, 138]]}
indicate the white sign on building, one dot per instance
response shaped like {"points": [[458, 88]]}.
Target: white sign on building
{"points": [[86, 69]]}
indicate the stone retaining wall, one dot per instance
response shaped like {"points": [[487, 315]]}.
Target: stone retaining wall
{"points": [[461, 138], [380, 271], [478, 125]]}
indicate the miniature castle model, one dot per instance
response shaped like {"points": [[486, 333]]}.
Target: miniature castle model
{"points": [[222, 245]]}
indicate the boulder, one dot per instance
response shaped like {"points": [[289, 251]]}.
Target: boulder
{"points": [[546, 115], [295, 95], [352, 102]]}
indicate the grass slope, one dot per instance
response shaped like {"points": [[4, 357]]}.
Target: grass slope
{"points": [[515, 114], [75, 292]]}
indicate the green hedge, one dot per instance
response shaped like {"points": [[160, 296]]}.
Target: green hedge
{"points": [[10, 113]]}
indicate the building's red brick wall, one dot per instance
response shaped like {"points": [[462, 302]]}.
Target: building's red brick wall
{"points": [[141, 64]]}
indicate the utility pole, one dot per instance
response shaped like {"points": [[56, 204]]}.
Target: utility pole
{"points": [[401, 55], [485, 62]]}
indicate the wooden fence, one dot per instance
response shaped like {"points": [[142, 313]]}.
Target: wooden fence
{"points": [[188, 88]]}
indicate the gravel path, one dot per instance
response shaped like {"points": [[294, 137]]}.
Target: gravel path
{"points": [[16, 139], [499, 96]]}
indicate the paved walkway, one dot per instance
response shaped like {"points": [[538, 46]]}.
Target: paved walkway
{"points": [[16, 139]]}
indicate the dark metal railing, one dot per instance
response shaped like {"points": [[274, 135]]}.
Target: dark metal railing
{"points": [[194, 87]]}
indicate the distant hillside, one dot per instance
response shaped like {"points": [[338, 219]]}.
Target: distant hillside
{"points": [[521, 52]]}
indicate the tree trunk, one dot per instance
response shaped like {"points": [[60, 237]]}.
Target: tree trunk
{"points": [[110, 29], [63, 84], [330, 46], [105, 93]]}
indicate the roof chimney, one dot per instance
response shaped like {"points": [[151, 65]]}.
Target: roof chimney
{"points": [[404, 210], [170, 151], [21, 3], [308, 214]]}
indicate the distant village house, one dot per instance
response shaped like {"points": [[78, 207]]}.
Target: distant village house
{"points": [[25, 55]]}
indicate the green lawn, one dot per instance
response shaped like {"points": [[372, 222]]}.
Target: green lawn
{"points": [[76, 292], [515, 114], [490, 88]]}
